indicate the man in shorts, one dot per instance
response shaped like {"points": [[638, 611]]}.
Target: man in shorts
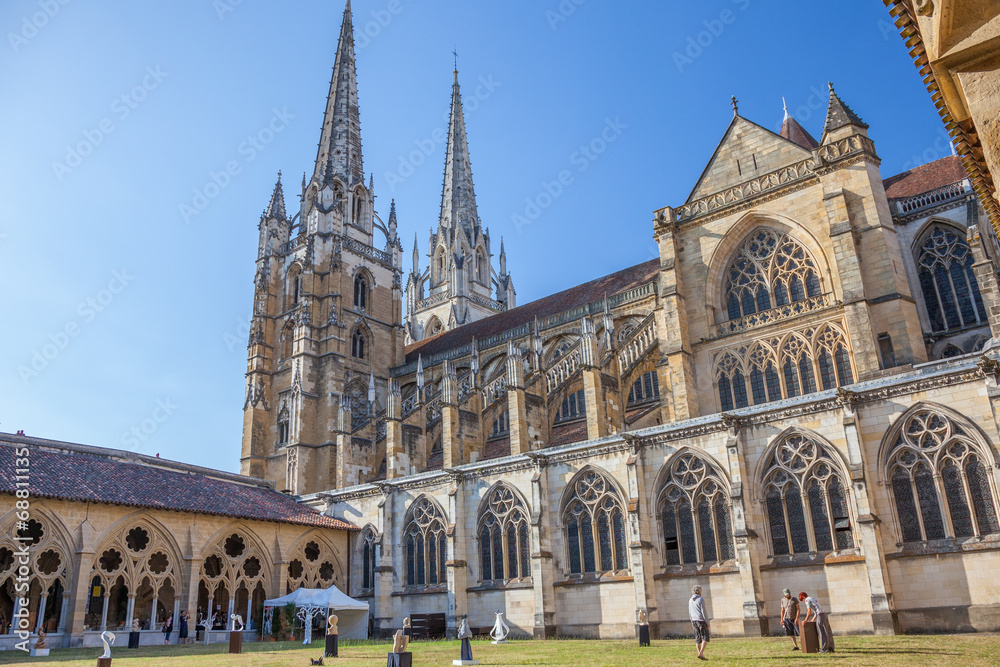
{"points": [[790, 617], [699, 619]]}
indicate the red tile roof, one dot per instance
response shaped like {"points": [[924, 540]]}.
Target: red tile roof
{"points": [[926, 177], [564, 434], [93, 474], [791, 130], [544, 307], [497, 448]]}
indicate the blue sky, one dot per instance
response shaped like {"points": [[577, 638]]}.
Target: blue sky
{"points": [[124, 320]]}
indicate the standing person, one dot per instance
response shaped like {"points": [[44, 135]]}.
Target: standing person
{"points": [[168, 627], [815, 611], [182, 634], [699, 619], [790, 617]]}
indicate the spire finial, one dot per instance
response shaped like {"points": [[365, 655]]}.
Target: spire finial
{"points": [[735, 103], [455, 53], [829, 84]]}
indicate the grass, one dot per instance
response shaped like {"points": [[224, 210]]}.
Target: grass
{"points": [[909, 650]]}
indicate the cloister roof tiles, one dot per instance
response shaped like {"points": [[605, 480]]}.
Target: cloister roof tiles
{"points": [[926, 177], [82, 473]]}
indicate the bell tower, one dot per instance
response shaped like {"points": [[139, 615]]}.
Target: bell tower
{"points": [[327, 314]]}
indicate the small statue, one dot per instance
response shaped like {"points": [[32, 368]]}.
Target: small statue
{"points": [[500, 630], [135, 625], [41, 640], [465, 634], [108, 639], [316, 662], [643, 629], [407, 628], [236, 618], [331, 624], [399, 642]]}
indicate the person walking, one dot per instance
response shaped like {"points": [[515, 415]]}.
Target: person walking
{"points": [[699, 619], [168, 627], [790, 617], [815, 612]]}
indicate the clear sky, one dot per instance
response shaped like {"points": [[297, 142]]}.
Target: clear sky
{"points": [[123, 320]]}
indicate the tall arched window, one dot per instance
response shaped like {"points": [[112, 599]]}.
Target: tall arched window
{"points": [[439, 265], [695, 513], [283, 422], [482, 267], [806, 498], [293, 286], [501, 426], [287, 340], [358, 343], [573, 406], [425, 544], [503, 537], [771, 269], [368, 559], [940, 479], [48, 578], [645, 389], [360, 292], [951, 293], [595, 526]]}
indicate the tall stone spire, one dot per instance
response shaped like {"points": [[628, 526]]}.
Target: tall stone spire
{"points": [[339, 152], [276, 207], [458, 196]]}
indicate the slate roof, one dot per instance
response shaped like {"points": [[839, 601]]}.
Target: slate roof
{"points": [[839, 114], [926, 177], [82, 473], [553, 304]]}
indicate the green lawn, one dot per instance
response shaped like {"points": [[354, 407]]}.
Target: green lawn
{"points": [[909, 650]]}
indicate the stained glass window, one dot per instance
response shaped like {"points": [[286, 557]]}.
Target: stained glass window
{"points": [[949, 286], [961, 518], [485, 558], [693, 482], [707, 531], [599, 543], [769, 264], [799, 462], [502, 522], [821, 525], [979, 489], [426, 548], [928, 440], [368, 558]]}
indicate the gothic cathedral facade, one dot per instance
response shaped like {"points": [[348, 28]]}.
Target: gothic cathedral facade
{"points": [[799, 392]]}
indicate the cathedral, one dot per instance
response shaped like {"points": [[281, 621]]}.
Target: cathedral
{"points": [[800, 392]]}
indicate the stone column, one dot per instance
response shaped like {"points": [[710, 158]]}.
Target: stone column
{"points": [[177, 620], [986, 277], [640, 550], [847, 273], [593, 390], [129, 611], [457, 571], [542, 574], [152, 613], [81, 578], [396, 461], [517, 408], [884, 621], [755, 622], [344, 443], [14, 615], [104, 611], [41, 611], [63, 613], [676, 368], [451, 437], [384, 571]]}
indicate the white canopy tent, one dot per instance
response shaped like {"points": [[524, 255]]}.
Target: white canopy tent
{"points": [[352, 615]]}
